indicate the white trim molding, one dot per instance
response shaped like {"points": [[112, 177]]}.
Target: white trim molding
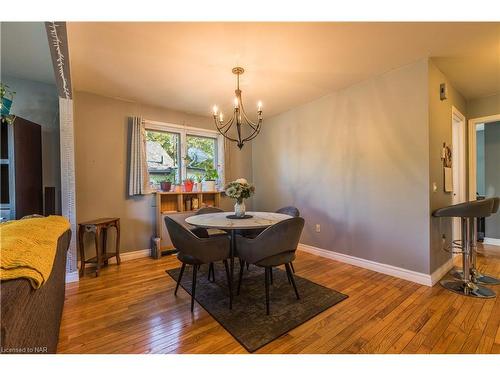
{"points": [[472, 150], [72, 277], [387, 269], [491, 241], [129, 255]]}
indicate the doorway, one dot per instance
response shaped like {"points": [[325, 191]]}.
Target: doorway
{"points": [[458, 165], [484, 178]]}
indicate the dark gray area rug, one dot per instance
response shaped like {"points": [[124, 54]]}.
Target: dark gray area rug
{"points": [[247, 321]]}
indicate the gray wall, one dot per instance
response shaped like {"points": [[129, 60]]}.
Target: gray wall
{"points": [[492, 173], [38, 102], [440, 130], [357, 163], [487, 106], [101, 131], [480, 177]]}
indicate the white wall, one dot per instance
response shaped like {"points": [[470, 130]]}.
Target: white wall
{"points": [[38, 102]]}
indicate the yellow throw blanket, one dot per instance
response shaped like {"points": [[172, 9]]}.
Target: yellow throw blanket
{"points": [[28, 248]]}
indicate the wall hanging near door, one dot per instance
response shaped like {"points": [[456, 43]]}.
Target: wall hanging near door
{"points": [[447, 168]]}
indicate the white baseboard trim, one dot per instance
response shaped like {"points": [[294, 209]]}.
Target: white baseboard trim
{"points": [[387, 269], [491, 241], [130, 255], [441, 271], [72, 277]]}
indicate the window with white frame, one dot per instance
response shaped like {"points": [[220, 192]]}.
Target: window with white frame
{"points": [[176, 152]]}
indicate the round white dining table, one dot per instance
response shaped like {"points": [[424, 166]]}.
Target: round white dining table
{"points": [[219, 220]]}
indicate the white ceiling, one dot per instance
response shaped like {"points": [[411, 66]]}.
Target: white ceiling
{"points": [[187, 66], [25, 51]]}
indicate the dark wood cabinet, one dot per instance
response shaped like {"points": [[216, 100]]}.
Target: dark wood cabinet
{"points": [[21, 163]]}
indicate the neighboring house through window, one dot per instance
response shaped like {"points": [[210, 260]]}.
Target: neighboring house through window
{"points": [[176, 152]]}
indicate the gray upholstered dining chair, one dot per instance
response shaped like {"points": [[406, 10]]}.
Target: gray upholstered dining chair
{"points": [[288, 210], [202, 232], [275, 246], [196, 251], [206, 233]]}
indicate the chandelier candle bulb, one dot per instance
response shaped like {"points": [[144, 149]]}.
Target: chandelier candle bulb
{"points": [[221, 117], [215, 110], [259, 106], [236, 103]]}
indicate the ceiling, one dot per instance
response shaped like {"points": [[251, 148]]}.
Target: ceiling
{"points": [[187, 66], [25, 51]]}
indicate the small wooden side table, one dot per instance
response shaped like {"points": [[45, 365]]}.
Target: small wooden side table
{"points": [[98, 227]]}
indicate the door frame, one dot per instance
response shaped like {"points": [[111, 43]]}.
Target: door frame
{"points": [[461, 163], [473, 149]]}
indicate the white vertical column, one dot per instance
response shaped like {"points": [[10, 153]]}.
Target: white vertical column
{"points": [[68, 194]]}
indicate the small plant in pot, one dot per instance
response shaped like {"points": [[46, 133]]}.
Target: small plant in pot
{"points": [[6, 98], [209, 180], [240, 190], [166, 185], [198, 182], [188, 184]]}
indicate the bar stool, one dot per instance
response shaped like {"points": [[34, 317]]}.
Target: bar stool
{"points": [[476, 276], [467, 212]]}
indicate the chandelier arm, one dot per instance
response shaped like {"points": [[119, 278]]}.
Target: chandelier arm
{"points": [[221, 125], [253, 135], [225, 135], [245, 112], [250, 123]]}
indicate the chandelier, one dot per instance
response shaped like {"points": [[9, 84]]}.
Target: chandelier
{"points": [[239, 117]]}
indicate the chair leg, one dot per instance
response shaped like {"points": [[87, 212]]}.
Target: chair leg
{"points": [[267, 277], [229, 283], [271, 274], [193, 288], [211, 271], [242, 266], [291, 265], [179, 278], [290, 275]]}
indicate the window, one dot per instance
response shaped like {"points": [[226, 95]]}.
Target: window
{"points": [[201, 155], [163, 156], [176, 152]]}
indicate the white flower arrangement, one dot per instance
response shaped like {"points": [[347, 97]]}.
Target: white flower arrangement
{"points": [[239, 189]]}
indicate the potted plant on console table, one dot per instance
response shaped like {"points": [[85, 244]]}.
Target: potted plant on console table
{"points": [[188, 184], [239, 189], [209, 180]]}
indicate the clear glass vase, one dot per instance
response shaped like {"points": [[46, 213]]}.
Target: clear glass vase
{"points": [[239, 209]]}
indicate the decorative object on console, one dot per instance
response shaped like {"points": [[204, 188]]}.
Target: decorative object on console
{"points": [[239, 116], [209, 180], [198, 184], [188, 184], [166, 185], [195, 203], [239, 189], [447, 168]]}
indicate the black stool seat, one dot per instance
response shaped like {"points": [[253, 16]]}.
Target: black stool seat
{"points": [[482, 208], [496, 203], [469, 277]]}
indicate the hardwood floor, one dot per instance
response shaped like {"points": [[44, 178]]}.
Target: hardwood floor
{"points": [[131, 308]]}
